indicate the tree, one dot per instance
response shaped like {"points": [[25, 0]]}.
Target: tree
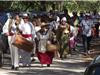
{"points": [[47, 5], [82, 5]]}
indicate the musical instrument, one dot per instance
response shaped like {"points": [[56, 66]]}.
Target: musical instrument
{"points": [[22, 43], [52, 47]]}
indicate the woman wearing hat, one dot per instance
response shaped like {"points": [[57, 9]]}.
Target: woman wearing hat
{"points": [[44, 56]]}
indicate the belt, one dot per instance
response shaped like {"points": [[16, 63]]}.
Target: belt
{"points": [[11, 34], [27, 35]]}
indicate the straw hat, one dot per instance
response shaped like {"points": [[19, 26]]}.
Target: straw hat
{"points": [[43, 24]]}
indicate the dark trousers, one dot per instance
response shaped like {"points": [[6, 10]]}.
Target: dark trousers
{"points": [[62, 49], [97, 29], [86, 42]]}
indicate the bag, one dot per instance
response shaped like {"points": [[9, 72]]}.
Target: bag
{"points": [[51, 47], [22, 43]]}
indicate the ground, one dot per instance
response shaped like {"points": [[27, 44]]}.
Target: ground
{"points": [[72, 65]]}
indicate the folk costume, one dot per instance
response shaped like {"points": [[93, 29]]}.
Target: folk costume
{"points": [[63, 37], [44, 56], [28, 32], [10, 29]]}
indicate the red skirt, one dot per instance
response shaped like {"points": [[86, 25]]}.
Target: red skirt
{"points": [[45, 58]]}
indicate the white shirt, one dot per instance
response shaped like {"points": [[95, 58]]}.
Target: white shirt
{"points": [[6, 26], [28, 28], [13, 30], [73, 31], [25, 28]]}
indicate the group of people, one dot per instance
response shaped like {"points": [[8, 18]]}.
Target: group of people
{"points": [[39, 35], [63, 31], [86, 26]]}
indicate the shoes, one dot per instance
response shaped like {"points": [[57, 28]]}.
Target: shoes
{"points": [[26, 65], [48, 65], [14, 68], [33, 60]]}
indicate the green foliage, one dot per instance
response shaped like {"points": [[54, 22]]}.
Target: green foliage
{"points": [[82, 5], [46, 5]]}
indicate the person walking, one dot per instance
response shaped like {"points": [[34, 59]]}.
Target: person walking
{"points": [[10, 29], [86, 25], [44, 56], [28, 32]]}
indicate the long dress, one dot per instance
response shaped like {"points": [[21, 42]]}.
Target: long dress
{"points": [[43, 55]]}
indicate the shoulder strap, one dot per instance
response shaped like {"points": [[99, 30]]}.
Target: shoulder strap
{"points": [[32, 31], [31, 26], [10, 25]]}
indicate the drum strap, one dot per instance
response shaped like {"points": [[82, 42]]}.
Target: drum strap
{"points": [[10, 25], [32, 30]]}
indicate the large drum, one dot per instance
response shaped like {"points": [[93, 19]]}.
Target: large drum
{"points": [[23, 43]]}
